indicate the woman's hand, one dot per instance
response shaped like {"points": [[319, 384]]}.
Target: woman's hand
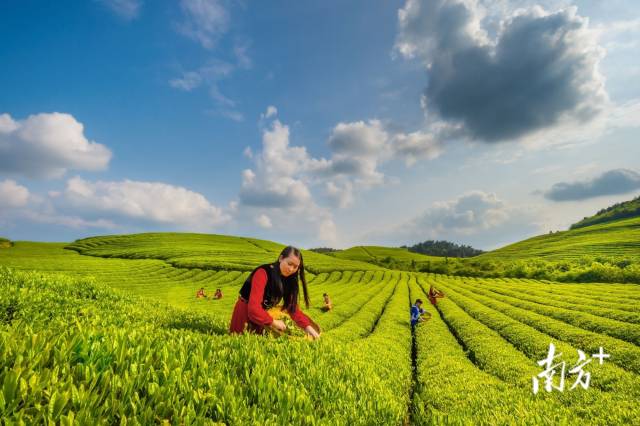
{"points": [[278, 325], [312, 332]]}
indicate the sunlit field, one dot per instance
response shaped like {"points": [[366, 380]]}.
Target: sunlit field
{"points": [[119, 336]]}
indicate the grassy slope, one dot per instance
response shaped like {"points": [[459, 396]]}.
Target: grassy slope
{"points": [[75, 327], [205, 251], [75, 349], [377, 253], [620, 238], [154, 278], [145, 329], [617, 211]]}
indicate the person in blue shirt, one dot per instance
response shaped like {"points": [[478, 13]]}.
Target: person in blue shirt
{"points": [[416, 311]]}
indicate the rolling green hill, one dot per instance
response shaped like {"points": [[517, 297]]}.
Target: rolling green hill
{"points": [[384, 255], [617, 211], [366, 253], [606, 251], [118, 337], [617, 238], [205, 251]]}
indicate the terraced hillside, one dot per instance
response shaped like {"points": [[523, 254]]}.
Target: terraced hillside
{"points": [[618, 238], [104, 340], [379, 254], [203, 251]]}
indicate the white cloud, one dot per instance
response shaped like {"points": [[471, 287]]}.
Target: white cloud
{"points": [[12, 194], [204, 21], [74, 222], [241, 52], [619, 35], [281, 170], [327, 231], [415, 146], [358, 138], [476, 217], [248, 176], [7, 124], [358, 148], [248, 152], [126, 9], [281, 181], [264, 221], [340, 194], [302, 189], [145, 201], [189, 81], [209, 77], [21, 206], [47, 145], [231, 114], [271, 112]]}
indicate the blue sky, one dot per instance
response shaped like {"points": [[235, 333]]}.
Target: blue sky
{"points": [[317, 123]]}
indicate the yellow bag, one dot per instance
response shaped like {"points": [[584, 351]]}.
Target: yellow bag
{"points": [[279, 313]]}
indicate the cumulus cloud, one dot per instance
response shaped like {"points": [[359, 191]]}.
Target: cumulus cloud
{"points": [[271, 112], [47, 145], [18, 205], [288, 179], [612, 182], [415, 146], [538, 70], [476, 217], [340, 194], [12, 194], [126, 9], [281, 170], [143, 201], [357, 149], [204, 21], [282, 180], [264, 221], [466, 214]]}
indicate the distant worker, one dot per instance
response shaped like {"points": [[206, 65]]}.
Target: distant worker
{"points": [[200, 294], [327, 303], [416, 312], [434, 295], [218, 294], [265, 288]]}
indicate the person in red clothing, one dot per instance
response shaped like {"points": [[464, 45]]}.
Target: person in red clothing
{"points": [[266, 287], [434, 295]]}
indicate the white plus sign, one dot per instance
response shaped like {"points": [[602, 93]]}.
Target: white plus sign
{"points": [[601, 355]]}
